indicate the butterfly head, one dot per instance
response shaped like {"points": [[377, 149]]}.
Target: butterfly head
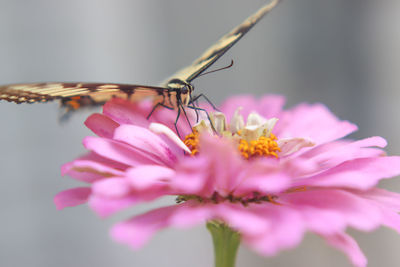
{"points": [[183, 90]]}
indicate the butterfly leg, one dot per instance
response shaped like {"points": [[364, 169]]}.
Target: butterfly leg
{"points": [[156, 106], [177, 116], [208, 116], [194, 99], [181, 107], [176, 122], [186, 116]]}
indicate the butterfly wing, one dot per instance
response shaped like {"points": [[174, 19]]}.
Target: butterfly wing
{"points": [[76, 95], [213, 53]]}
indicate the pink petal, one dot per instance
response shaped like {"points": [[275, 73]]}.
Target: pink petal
{"points": [[242, 219], [314, 122], [72, 197], [192, 177], [146, 176], [388, 202], [299, 167], [263, 176], [360, 174], [334, 153], [291, 145], [87, 175], [88, 171], [286, 229], [322, 221], [114, 194], [105, 206], [101, 125], [224, 163], [391, 219], [118, 151], [138, 230], [144, 140], [190, 214], [126, 112], [168, 118], [383, 197], [268, 183], [349, 246], [112, 164], [112, 187], [268, 106], [159, 128], [350, 209]]}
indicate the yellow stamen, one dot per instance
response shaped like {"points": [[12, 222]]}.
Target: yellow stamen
{"points": [[264, 146], [192, 142]]}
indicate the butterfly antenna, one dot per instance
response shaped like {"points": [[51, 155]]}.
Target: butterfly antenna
{"points": [[223, 68]]}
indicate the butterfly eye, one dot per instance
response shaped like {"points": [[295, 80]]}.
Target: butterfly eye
{"points": [[185, 90]]}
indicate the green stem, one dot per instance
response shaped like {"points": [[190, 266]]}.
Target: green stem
{"points": [[226, 243]]}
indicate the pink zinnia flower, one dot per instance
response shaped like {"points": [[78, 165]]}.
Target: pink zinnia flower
{"points": [[269, 174]]}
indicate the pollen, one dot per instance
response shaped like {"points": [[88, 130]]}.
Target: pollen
{"points": [[263, 146], [192, 142]]}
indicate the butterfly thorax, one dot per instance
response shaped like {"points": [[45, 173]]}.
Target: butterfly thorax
{"points": [[182, 89]]}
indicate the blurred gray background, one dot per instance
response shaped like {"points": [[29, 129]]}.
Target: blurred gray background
{"points": [[344, 53]]}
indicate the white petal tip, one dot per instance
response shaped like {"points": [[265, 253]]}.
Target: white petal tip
{"points": [[159, 128]]}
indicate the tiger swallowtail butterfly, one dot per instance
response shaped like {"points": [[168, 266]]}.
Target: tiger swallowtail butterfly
{"points": [[175, 93]]}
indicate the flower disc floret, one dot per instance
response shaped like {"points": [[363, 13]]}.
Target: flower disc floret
{"points": [[253, 139], [263, 146], [192, 142]]}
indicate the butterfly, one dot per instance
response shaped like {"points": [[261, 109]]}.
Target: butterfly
{"points": [[174, 93]]}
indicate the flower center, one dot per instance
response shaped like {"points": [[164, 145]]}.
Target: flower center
{"points": [[263, 146], [192, 142]]}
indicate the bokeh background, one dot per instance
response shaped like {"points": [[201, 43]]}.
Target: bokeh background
{"points": [[344, 53]]}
